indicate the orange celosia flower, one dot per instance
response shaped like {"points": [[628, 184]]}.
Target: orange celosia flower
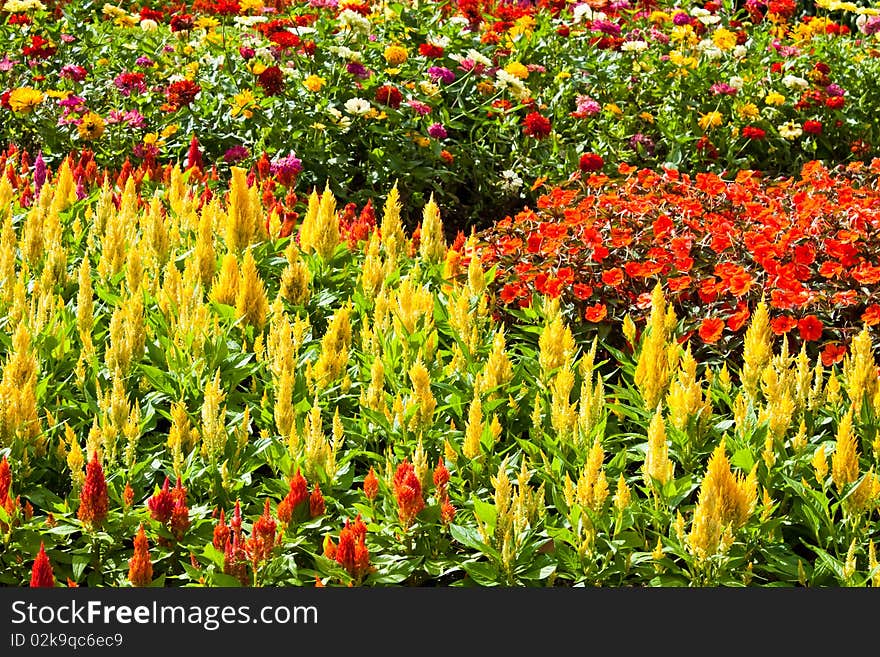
{"points": [[161, 504], [263, 535], [5, 481], [441, 477], [317, 506], [140, 567], [41, 573], [221, 532], [299, 493], [371, 485], [93, 496]]}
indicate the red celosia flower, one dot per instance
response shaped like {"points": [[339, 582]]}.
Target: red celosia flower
{"points": [[263, 535], [5, 481], [408, 491], [447, 511], [371, 485], [299, 493], [833, 353], [41, 574], [221, 532], [351, 552], [389, 95], [810, 328], [590, 162], [140, 567], [536, 125], [271, 80], [161, 504], [441, 477], [711, 329], [93, 496], [596, 313], [194, 155], [317, 505], [179, 519], [128, 495], [235, 559]]}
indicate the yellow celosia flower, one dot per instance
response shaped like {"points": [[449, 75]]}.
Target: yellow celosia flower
{"points": [[657, 467]]}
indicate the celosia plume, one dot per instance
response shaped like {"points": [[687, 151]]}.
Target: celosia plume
{"points": [[41, 573]]}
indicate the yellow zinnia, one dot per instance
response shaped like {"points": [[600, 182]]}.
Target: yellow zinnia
{"points": [[25, 99], [517, 70], [710, 120], [395, 55], [314, 83], [91, 127]]}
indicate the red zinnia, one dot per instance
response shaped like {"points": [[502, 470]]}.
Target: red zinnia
{"points": [[181, 93], [41, 574], [408, 491], [271, 80], [810, 328], [93, 496], [536, 125], [430, 50], [813, 127], [711, 329], [590, 162], [389, 95], [752, 132], [140, 567], [871, 316]]}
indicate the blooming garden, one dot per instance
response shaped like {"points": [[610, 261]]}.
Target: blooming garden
{"points": [[465, 293]]}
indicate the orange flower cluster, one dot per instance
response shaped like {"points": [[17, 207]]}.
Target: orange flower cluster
{"points": [[298, 494], [351, 552], [169, 506], [808, 244], [408, 492], [93, 499], [140, 567], [41, 573]]}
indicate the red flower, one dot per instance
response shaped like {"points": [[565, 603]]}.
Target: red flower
{"points": [[93, 496], [41, 573], [180, 512], [194, 155], [140, 567], [161, 504], [389, 95], [299, 493], [430, 50], [128, 495], [590, 162], [782, 324], [752, 132], [441, 477], [596, 313], [711, 329], [221, 532], [408, 491], [271, 80], [5, 481], [813, 127], [871, 316], [810, 328], [263, 535], [371, 485], [612, 277], [351, 552], [317, 506], [447, 512], [181, 93], [833, 353], [536, 125]]}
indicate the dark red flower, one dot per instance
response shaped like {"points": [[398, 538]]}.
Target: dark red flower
{"points": [[5, 480], [441, 477], [590, 162], [181, 93], [389, 95], [271, 80], [41, 573], [813, 127], [752, 132], [430, 50], [536, 125], [711, 329], [161, 504]]}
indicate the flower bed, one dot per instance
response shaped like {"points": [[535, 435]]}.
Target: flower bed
{"points": [[470, 101], [190, 398]]}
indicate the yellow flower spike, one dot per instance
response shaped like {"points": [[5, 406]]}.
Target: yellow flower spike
{"points": [[873, 565], [251, 301], [472, 448], [335, 347], [757, 350], [432, 246], [225, 287], [622, 496], [391, 227], [820, 464], [845, 459], [652, 373], [860, 370], [657, 468]]}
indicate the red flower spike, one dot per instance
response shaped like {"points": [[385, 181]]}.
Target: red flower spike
{"points": [[41, 574], [5, 481], [140, 567], [128, 495], [161, 504], [299, 493], [93, 496], [441, 477], [317, 506], [371, 485], [263, 535], [408, 491], [221, 532]]}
